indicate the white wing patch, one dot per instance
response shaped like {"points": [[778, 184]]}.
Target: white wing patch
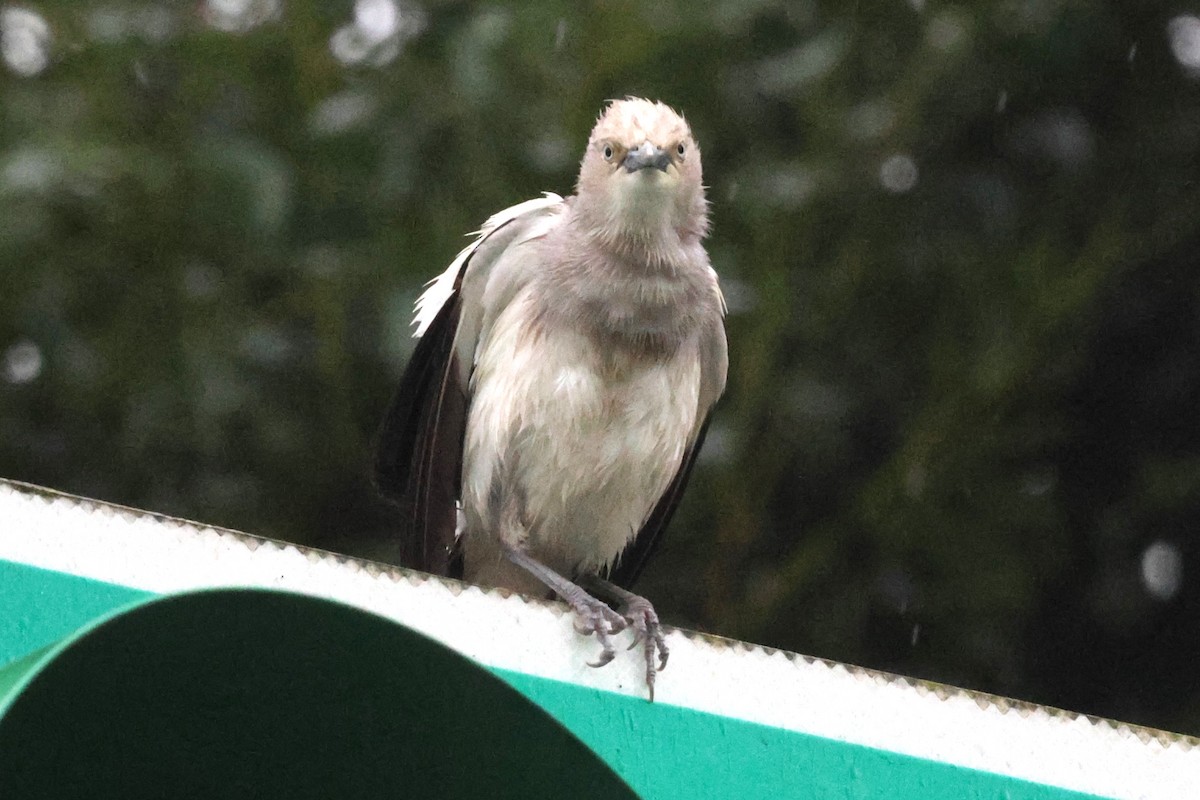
{"points": [[442, 287], [717, 288]]}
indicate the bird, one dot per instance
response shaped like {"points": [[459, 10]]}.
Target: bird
{"points": [[566, 368]]}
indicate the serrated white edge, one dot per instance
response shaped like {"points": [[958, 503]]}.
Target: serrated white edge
{"points": [[161, 554]]}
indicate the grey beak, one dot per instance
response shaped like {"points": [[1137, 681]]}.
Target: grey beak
{"points": [[646, 156]]}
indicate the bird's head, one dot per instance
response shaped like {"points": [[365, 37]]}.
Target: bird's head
{"points": [[640, 177]]}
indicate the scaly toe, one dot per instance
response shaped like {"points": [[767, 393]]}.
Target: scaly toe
{"points": [[647, 632], [596, 618]]}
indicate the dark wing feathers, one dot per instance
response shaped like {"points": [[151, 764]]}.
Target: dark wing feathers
{"points": [[418, 455], [418, 452]]}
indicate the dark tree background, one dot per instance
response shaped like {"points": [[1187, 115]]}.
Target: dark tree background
{"points": [[960, 244]]}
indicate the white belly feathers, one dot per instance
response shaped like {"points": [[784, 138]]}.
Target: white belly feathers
{"points": [[584, 441]]}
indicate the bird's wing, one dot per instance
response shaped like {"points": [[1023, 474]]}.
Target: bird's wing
{"points": [[418, 456], [714, 364]]}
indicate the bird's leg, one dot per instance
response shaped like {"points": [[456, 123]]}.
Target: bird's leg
{"points": [[594, 616], [642, 617]]}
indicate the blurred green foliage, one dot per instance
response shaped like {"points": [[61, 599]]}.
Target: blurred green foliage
{"points": [[960, 244]]}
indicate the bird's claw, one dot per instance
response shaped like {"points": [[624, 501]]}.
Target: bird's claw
{"points": [[595, 617], [647, 632], [606, 655]]}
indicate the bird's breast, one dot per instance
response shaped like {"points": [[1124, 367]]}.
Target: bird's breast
{"points": [[584, 434]]}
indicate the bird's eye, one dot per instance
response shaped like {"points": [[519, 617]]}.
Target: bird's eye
{"points": [[608, 152], [681, 149]]}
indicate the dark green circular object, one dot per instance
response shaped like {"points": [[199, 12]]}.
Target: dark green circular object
{"points": [[251, 693]]}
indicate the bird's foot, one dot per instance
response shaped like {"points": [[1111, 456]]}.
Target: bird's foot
{"points": [[595, 617], [647, 632], [637, 613]]}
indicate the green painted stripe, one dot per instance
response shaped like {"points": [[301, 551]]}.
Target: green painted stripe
{"points": [[39, 606], [677, 753]]}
